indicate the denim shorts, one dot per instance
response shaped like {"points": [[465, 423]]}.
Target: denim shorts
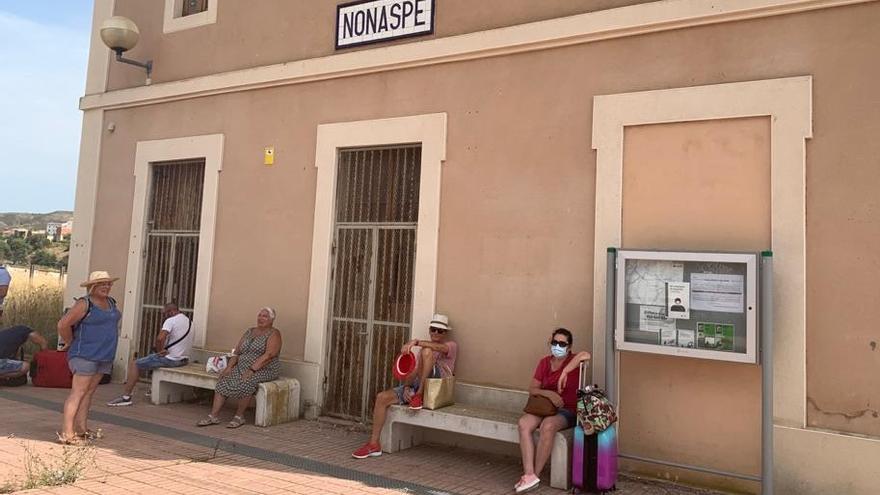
{"points": [[570, 417], [85, 367], [153, 361], [399, 390], [9, 366]]}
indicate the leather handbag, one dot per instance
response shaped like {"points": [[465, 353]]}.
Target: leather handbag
{"points": [[540, 406], [439, 392]]}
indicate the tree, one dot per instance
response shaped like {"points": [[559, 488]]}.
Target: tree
{"points": [[5, 253], [18, 249], [37, 241], [44, 258]]}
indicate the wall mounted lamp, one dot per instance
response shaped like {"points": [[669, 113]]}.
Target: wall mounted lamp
{"points": [[121, 34]]}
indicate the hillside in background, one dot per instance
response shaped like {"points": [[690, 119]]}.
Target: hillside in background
{"points": [[33, 221]]}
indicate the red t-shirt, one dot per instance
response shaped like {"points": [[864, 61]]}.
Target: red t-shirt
{"points": [[550, 380]]}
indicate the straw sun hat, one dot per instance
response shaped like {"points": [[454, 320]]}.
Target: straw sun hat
{"points": [[97, 278]]}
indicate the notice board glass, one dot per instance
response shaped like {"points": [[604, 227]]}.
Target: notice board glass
{"points": [[699, 305]]}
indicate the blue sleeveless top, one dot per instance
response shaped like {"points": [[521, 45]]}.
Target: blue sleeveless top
{"points": [[96, 335]]}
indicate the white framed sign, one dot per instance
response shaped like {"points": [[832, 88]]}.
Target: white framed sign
{"points": [[701, 305], [372, 21]]}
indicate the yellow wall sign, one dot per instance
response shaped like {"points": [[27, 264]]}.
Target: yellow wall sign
{"points": [[269, 155]]}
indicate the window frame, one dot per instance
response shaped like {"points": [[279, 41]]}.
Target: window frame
{"points": [[174, 20]]}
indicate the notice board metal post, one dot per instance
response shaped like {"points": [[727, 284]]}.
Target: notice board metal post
{"points": [[610, 356], [766, 309]]}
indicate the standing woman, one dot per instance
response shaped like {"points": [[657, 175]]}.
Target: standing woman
{"points": [[255, 360], [90, 331]]}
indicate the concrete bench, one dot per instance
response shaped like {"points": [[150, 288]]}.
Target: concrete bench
{"points": [[277, 401], [403, 426]]}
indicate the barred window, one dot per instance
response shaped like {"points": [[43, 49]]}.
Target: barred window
{"points": [[191, 7]]}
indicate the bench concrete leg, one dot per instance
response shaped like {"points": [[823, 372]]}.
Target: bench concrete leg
{"points": [[167, 392], [399, 436], [560, 460], [277, 402]]}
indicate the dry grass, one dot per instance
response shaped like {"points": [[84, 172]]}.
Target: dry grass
{"points": [[52, 470], [38, 307], [23, 279]]}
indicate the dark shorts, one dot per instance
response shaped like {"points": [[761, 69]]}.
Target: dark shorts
{"points": [[153, 361], [86, 367], [570, 417], [402, 397]]}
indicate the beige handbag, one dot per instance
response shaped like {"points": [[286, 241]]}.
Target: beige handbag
{"points": [[439, 392]]}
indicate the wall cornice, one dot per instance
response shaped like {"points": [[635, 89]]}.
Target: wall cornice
{"points": [[622, 22]]}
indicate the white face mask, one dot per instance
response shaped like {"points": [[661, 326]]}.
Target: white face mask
{"points": [[558, 351]]}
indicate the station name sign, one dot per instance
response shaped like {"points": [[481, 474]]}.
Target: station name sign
{"points": [[371, 21]]}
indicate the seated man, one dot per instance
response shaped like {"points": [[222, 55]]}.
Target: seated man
{"points": [[11, 341], [436, 360], [173, 347]]}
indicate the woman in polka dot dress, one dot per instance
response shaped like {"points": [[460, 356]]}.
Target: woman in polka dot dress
{"points": [[254, 361]]}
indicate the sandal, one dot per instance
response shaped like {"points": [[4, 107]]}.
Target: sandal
{"points": [[75, 440], [210, 420], [91, 434], [236, 422]]}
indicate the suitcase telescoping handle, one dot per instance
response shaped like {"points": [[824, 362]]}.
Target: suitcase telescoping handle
{"points": [[582, 376]]}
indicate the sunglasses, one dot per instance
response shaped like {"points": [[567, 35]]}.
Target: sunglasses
{"points": [[437, 330], [559, 343]]}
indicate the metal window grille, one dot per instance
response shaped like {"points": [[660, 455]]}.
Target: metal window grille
{"points": [[377, 198], [191, 7], [172, 243]]}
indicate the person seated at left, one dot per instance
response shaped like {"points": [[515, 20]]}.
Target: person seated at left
{"points": [[11, 340], [173, 347]]}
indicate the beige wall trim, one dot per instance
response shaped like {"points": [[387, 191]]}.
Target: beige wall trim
{"points": [[788, 102], [813, 462], [209, 147], [430, 131], [584, 28], [89, 158], [172, 21]]}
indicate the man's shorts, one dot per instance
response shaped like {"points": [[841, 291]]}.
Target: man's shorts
{"points": [[86, 367], [153, 361], [9, 366], [403, 397]]}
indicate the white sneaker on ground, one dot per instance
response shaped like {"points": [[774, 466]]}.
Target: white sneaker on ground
{"points": [[122, 400]]}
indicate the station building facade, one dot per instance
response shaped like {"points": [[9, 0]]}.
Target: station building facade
{"points": [[359, 171]]}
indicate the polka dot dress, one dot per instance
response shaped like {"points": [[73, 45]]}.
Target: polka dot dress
{"points": [[232, 385]]}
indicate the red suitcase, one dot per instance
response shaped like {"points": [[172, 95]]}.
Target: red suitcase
{"points": [[49, 369]]}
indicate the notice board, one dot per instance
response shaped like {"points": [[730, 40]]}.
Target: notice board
{"points": [[700, 305]]}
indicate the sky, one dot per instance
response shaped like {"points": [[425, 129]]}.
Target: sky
{"points": [[44, 53]]}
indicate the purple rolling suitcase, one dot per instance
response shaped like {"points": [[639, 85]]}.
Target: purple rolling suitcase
{"points": [[594, 457]]}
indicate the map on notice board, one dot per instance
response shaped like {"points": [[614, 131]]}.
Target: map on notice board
{"points": [[646, 280]]}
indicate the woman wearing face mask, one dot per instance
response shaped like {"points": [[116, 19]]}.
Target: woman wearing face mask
{"points": [[549, 381]]}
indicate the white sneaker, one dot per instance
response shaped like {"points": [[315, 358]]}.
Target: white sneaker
{"points": [[122, 400]]}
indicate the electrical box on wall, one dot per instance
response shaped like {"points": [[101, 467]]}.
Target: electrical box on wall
{"points": [[269, 155]]}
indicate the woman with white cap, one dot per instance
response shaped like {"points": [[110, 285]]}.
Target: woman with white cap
{"points": [[90, 331], [254, 360]]}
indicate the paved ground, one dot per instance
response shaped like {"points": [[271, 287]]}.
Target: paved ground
{"points": [[148, 448]]}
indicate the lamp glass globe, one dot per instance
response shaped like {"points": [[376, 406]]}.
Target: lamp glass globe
{"points": [[120, 33]]}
